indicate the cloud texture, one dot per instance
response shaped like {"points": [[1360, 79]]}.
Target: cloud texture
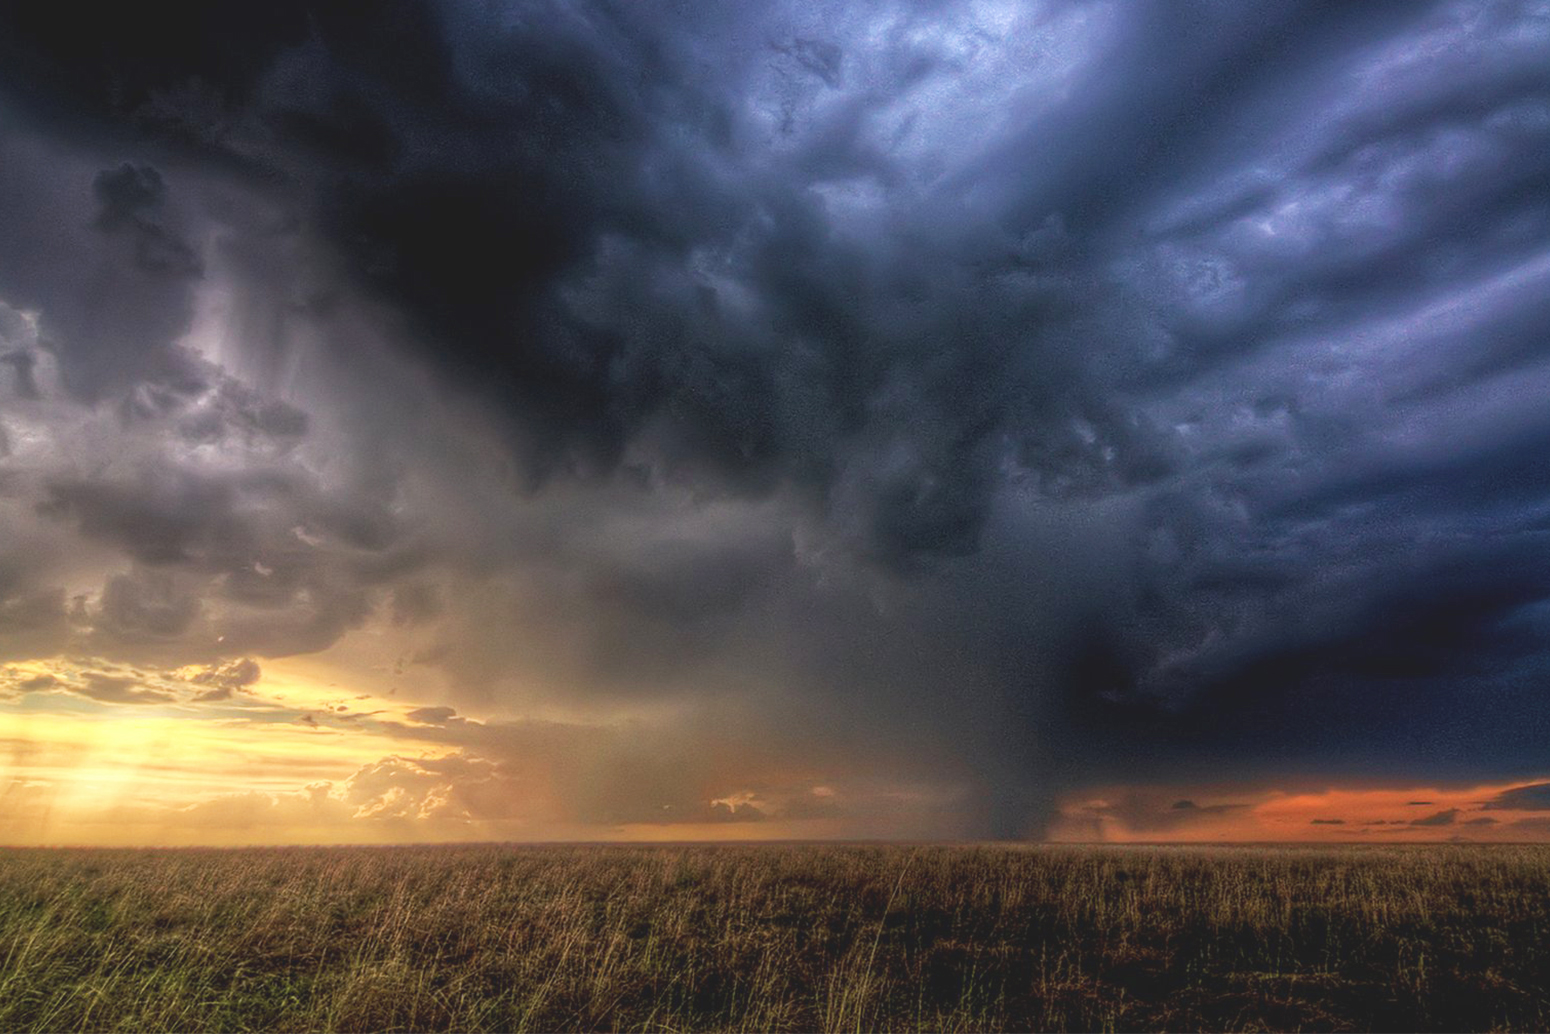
{"points": [[999, 397]]}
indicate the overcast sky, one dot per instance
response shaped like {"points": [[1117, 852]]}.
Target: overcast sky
{"points": [[902, 419]]}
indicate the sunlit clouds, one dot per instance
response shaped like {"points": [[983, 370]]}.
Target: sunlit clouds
{"points": [[103, 753]]}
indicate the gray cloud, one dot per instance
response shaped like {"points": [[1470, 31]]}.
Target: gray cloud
{"points": [[1051, 392], [114, 689], [1144, 811], [237, 674], [1534, 797], [1441, 818]]}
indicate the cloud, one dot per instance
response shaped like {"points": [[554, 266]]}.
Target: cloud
{"points": [[448, 795], [236, 674], [1026, 396], [722, 811], [456, 786], [1533, 797], [453, 789], [434, 715], [225, 679], [1140, 811], [113, 689], [131, 199], [1442, 818]]}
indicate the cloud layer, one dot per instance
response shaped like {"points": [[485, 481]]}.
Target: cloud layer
{"points": [[998, 397]]}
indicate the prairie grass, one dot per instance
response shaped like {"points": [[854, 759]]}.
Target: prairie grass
{"points": [[839, 938]]}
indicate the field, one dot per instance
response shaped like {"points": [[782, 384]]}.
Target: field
{"points": [[1437, 937]]}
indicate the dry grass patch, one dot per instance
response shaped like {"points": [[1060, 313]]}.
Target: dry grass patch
{"points": [[843, 938]]}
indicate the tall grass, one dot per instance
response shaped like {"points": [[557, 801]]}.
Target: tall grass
{"points": [[842, 938]]}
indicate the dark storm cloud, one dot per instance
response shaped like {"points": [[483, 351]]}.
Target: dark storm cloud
{"points": [[99, 251], [1535, 797], [131, 199], [256, 560], [1144, 387], [567, 205], [1441, 818]]}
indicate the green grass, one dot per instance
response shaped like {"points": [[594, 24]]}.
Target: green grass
{"points": [[841, 938]]}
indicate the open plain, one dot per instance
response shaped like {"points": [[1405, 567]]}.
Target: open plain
{"points": [[790, 937]]}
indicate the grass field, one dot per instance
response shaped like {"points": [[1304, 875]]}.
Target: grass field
{"points": [[776, 938]]}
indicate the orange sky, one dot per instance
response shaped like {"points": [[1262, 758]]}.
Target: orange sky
{"points": [[97, 753], [1335, 815]]}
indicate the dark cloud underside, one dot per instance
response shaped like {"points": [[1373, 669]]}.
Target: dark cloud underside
{"points": [[1032, 393]]}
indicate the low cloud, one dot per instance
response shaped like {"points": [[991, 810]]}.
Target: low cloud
{"points": [[1138, 811], [1534, 797], [1441, 818], [111, 689], [236, 674], [450, 790], [434, 715]]}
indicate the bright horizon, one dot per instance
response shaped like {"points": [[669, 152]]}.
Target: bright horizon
{"points": [[294, 760]]}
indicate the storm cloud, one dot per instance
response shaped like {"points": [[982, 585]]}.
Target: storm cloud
{"points": [[1016, 395]]}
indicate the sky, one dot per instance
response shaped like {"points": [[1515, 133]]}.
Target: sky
{"points": [[953, 419]]}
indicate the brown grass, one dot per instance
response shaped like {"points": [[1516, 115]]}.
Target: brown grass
{"points": [[837, 938]]}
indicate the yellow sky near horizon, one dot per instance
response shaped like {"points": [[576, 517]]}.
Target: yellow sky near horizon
{"points": [[95, 753]]}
